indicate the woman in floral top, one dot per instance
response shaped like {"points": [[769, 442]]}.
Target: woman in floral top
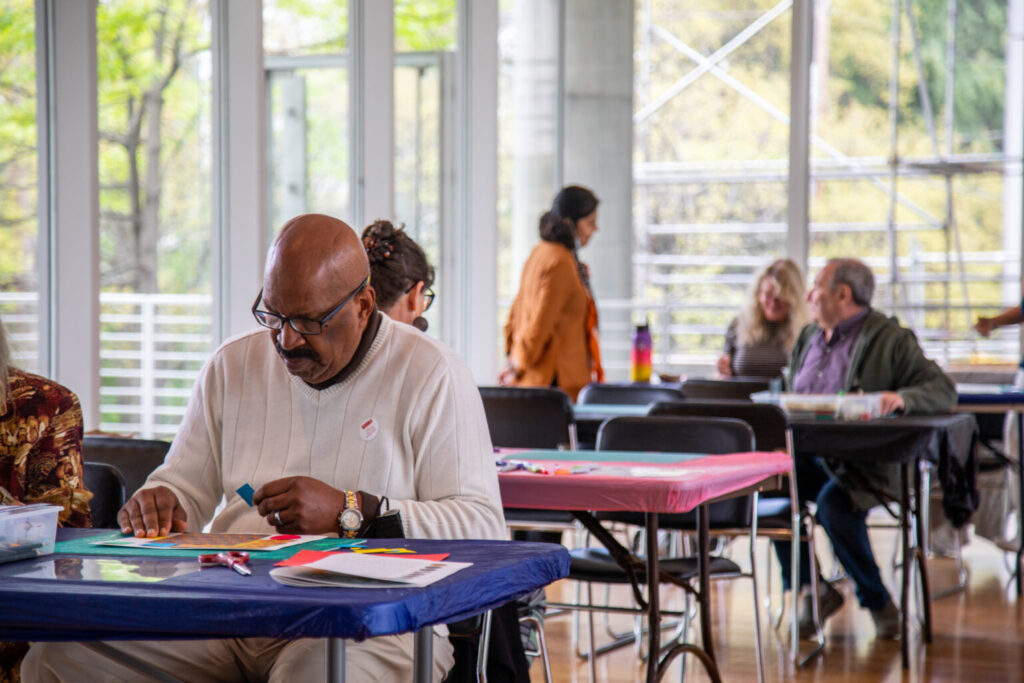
{"points": [[40, 459]]}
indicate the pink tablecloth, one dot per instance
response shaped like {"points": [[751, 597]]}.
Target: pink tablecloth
{"points": [[638, 486]]}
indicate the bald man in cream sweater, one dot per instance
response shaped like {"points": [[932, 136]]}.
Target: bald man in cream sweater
{"points": [[328, 411]]}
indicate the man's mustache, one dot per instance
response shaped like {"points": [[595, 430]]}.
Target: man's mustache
{"points": [[296, 354]]}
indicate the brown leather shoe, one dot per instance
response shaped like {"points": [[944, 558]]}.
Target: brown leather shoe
{"points": [[887, 621], [829, 603]]}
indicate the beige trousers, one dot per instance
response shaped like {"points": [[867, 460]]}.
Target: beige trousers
{"points": [[385, 659]]}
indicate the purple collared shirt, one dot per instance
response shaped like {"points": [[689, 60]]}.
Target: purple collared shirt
{"points": [[826, 362]]}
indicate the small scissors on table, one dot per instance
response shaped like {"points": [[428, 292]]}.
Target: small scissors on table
{"points": [[235, 559]]}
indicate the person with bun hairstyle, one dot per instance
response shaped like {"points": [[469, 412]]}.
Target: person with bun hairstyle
{"points": [[399, 273], [551, 336]]}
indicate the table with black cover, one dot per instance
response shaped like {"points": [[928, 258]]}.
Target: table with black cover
{"points": [[946, 441], [1000, 398], [218, 603]]}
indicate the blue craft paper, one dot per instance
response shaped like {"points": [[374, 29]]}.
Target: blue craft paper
{"points": [[246, 491]]}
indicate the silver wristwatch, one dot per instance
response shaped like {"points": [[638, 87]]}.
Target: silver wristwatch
{"points": [[350, 519]]}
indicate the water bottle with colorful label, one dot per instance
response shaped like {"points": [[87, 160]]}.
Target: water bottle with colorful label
{"points": [[640, 354]]}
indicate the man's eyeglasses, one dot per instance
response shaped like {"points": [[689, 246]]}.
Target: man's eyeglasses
{"points": [[428, 295], [304, 326]]}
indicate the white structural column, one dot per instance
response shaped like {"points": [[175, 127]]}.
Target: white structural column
{"points": [[801, 40], [68, 195], [1013, 136], [238, 227], [536, 103], [598, 144], [372, 75], [469, 231]]}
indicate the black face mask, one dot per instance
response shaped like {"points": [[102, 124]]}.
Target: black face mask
{"points": [[420, 323]]}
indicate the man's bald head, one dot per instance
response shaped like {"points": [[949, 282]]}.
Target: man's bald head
{"points": [[321, 248], [314, 265]]}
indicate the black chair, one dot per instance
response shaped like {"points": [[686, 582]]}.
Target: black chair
{"points": [[675, 434], [108, 493], [529, 417], [626, 394], [735, 388], [774, 509], [532, 417], [135, 459]]}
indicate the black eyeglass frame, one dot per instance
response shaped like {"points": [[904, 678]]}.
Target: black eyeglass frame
{"points": [[428, 295], [262, 317]]}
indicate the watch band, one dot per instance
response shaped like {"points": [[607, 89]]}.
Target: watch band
{"points": [[351, 517]]}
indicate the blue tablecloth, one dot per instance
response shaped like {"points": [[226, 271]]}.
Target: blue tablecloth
{"points": [[218, 603]]}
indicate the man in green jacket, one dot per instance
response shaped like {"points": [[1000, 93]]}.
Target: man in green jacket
{"points": [[851, 347]]}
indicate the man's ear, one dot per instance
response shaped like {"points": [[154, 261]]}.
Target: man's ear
{"points": [[366, 299], [845, 293]]}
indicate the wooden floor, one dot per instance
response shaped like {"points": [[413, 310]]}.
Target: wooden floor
{"points": [[977, 633]]}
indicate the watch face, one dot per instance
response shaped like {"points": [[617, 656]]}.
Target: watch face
{"points": [[351, 519]]}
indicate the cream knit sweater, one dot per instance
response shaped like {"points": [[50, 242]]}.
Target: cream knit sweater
{"points": [[427, 448]]}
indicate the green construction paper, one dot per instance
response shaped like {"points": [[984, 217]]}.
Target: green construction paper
{"points": [[88, 546]]}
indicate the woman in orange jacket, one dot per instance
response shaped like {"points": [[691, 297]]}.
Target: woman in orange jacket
{"points": [[551, 335]]}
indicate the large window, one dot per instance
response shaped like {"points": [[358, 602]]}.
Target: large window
{"points": [[307, 88], [425, 39], [528, 134], [154, 94], [908, 163], [19, 221], [908, 160]]}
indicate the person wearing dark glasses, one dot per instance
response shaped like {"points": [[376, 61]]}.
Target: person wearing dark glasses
{"points": [[333, 413], [399, 273]]}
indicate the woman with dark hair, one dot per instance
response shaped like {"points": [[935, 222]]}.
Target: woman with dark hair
{"points": [[551, 335], [399, 273]]}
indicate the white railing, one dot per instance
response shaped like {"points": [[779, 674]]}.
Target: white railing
{"points": [[152, 347]]}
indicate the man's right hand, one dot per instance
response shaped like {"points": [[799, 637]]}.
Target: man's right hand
{"points": [[984, 326], [152, 512]]}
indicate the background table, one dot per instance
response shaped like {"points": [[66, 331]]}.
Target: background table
{"points": [[218, 603], [588, 418], [652, 483], [1001, 398], [945, 440]]}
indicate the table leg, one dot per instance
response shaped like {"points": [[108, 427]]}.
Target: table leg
{"points": [[653, 602], [335, 661], [423, 655], [905, 542], [921, 500], [704, 582], [1020, 495]]}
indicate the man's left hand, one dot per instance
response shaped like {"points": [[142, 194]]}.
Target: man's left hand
{"points": [[891, 402], [300, 505]]}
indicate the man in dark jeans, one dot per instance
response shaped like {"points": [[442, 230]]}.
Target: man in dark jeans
{"points": [[853, 348]]}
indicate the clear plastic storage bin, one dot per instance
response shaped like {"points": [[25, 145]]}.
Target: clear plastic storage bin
{"points": [[27, 530], [825, 406]]}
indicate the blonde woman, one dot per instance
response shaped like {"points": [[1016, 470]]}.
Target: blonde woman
{"points": [[759, 339]]}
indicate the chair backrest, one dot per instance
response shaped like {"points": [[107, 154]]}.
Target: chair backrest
{"points": [[711, 435], [626, 394], [108, 493], [722, 388], [528, 417], [133, 458], [768, 421]]}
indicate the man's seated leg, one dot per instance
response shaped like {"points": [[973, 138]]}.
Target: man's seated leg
{"points": [[846, 528], [381, 660], [201, 661]]}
